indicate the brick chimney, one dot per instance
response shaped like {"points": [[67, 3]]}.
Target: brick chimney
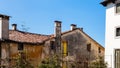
{"points": [[73, 26], [14, 26], [4, 26]]}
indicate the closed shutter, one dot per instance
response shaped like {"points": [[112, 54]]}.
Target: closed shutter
{"points": [[117, 58]]}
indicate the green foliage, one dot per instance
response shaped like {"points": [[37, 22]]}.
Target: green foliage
{"points": [[98, 63], [22, 62], [50, 62]]}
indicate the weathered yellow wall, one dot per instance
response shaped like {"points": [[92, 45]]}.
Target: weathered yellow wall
{"points": [[33, 52], [13, 50]]}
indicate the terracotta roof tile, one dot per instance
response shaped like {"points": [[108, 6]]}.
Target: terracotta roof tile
{"points": [[27, 37]]}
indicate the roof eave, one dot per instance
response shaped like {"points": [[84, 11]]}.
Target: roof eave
{"points": [[13, 41], [104, 3]]}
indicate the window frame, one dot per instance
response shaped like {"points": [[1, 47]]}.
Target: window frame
{"points": [[89, 47], [20, 46], [52, 45], [116, 57], [117, 12], [117, 36], [99, 50]]}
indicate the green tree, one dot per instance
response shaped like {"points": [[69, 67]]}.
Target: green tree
{"points": [[99, 63], [22, 62], [50, 62]]}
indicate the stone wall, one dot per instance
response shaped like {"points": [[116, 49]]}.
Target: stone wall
{"points": [[10, 52], [81, 48]]}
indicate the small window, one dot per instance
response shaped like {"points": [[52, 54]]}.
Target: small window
{"points": [[52, 45], [89, 47], [99, 50], [118, 31], [20, 46], [118, 8]]}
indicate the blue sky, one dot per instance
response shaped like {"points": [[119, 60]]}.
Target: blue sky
{"points": [[39, 15]]}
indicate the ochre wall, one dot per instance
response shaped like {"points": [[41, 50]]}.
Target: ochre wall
{"points": [[32, 52]]}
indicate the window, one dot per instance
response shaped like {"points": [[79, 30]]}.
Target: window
{"points": [[117, 58], [118, 8], [20, 46], [89, 47], [118, 31], [99, 50], [52, 45]]}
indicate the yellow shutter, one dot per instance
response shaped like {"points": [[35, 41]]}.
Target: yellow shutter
{"points": [[64, 43], [65, 52]]}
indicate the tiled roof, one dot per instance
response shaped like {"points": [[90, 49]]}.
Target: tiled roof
{"points": [[26, 37]]}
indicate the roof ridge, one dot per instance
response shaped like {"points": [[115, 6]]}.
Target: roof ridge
{"points": [[82, 32], [22, 36], [30, 33], [92, 39]]}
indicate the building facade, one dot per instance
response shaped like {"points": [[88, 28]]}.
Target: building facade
{"points": [[14, 43], [112, 35], [77, 47], [74, 45]]}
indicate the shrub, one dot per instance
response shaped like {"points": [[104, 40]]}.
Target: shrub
{"points": [[99, 63]]}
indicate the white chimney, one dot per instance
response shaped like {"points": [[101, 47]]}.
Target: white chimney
{"points": [[14, 26], [4, 26], [73, 26]]}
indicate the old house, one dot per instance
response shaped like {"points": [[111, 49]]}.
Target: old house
{"points": [[14, 41], [112, 35], [75, 46]]}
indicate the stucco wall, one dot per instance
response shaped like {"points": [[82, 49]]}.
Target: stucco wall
{"points": [[111, 41], [77, 46], [32, 52]]}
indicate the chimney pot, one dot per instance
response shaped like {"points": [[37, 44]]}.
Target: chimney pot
{"points": [[73, 26], [57, 23], [14, 26], [81, 29], [57, 28]]}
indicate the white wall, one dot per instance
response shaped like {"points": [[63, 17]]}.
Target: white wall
{"points": [[111, 41], [4, 28]]}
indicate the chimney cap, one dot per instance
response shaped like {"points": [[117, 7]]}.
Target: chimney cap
{"points": [[73, 25], [58, 21], [81, 28], [14, 26], [4, 16]]}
